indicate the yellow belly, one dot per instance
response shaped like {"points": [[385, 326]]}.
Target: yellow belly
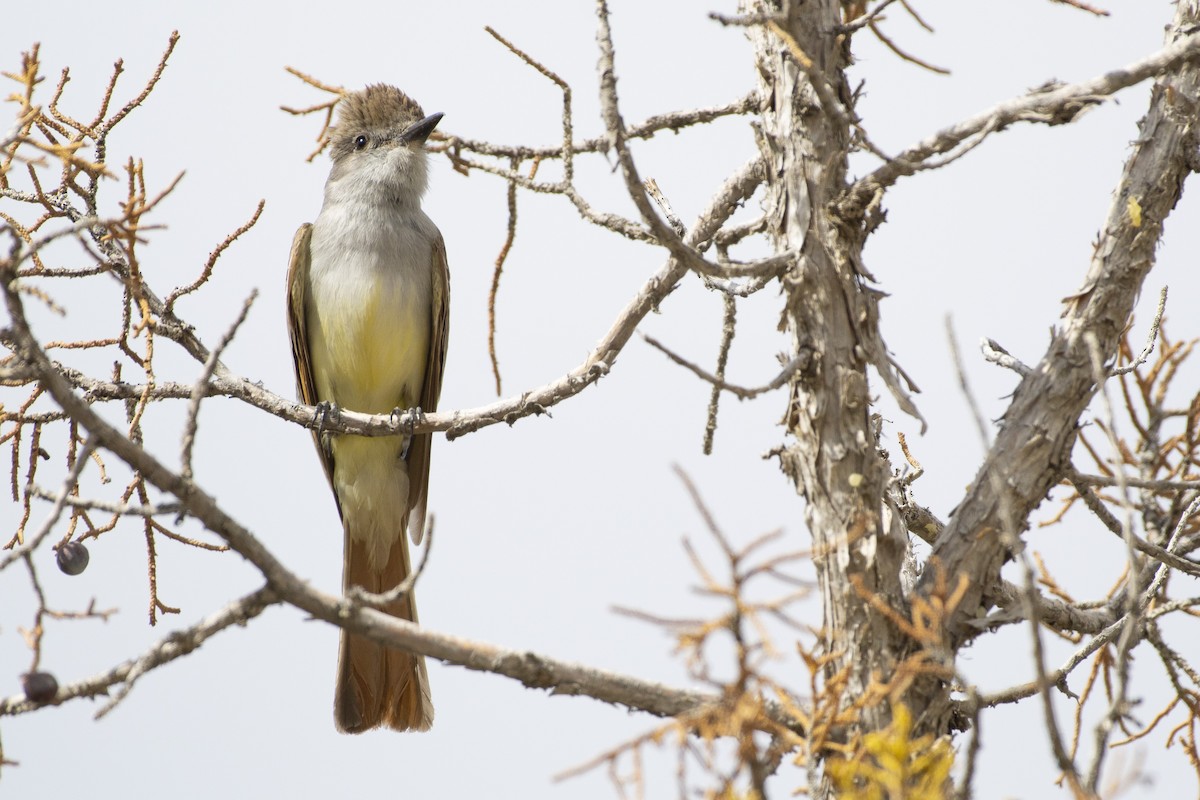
{"points": [[369, 342], [369, 347]]}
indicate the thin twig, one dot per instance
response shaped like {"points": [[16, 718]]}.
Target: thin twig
{"points": [[865, 18], [646, 129], [206, 272], [214, 358], [728, 328], [1054, 106], [1099, 12], [963, 384], [499, 268], [404, 587], [1151, 337], [120, 509], [658, 197], [993, 352], [1130, 633], [906, 56], [741, 392]]}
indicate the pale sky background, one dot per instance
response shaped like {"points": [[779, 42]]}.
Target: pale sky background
{"points": [[543, 527]]}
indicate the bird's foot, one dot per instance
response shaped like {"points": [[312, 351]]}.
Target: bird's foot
{"points": [[326, 412], [412, 418]]}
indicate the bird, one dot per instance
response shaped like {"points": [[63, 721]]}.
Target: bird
{"points": [[368, 299]]}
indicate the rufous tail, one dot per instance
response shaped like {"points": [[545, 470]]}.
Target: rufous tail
{"points": [[377, 685]]}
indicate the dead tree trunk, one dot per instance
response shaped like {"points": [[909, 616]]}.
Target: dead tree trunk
{"points": [[830, 315]]}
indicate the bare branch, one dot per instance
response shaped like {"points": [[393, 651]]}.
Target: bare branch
{"points": [[1029, 598], [1151, 338], [728, 329], [1058, 676], [671, 121], [1099, 12], [1076, 477], [193, 412], [509, 237], [177, 644], [1052, 397], [740, 392], [1115, 526], [964, 385], [121, 509], [1053, 105], [906, 56], [737, 188], [996, 354], [206, 272], [662, 233], [672, 218], [864, 19]]}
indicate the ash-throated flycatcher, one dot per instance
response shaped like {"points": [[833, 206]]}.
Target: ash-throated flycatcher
{"points": [[369, 293]]}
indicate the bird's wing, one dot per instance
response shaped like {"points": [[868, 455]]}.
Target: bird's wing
{"points": [[297, 280], [431, 389]]}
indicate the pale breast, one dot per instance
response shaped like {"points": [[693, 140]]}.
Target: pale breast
{"points": [[369, 306]]}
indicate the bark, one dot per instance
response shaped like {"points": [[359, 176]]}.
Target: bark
{"points": [[1033, 446], [807, 129], [830, 316]]}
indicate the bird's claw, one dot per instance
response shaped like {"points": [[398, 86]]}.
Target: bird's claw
{"points": [[324, 413], [412, 417]]}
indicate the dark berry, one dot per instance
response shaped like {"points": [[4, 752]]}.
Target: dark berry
{"points": [[72, 558], [40, 687]]}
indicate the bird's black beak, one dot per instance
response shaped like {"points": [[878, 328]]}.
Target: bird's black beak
{"points": [[419, 131]]}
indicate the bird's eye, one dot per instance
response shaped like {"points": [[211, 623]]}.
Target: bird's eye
{"points": [[360, 142]]}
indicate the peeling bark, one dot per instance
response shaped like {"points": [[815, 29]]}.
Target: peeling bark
{"points": [[830, 317]]}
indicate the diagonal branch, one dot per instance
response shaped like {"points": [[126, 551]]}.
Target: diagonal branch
{"points": [[681, 249], [1053, 105], [1033, 447], [166, 650], [282, 585], [531, 669]]}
